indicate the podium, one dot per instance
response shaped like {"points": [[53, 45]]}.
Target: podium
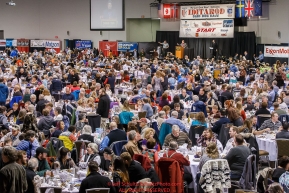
{"points": [[179, 52]]}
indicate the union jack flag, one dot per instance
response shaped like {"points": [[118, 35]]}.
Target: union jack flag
{"points": [[249, 8]]}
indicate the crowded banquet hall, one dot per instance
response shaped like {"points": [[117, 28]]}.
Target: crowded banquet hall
{"points": [[178, 96]]}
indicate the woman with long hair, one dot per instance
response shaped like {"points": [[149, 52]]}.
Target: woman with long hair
{"points": [[210, 101], [210, 154], [232, 113], [200, 120], [47, 95], [21, 116], [164, 100], [240, 110], [246, 127], [206, 137], [120, 174], [64, 160], [282, 105]]}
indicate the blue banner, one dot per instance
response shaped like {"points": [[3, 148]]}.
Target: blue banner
{"points": [[82, 44], [9, 42], [124, 46]]}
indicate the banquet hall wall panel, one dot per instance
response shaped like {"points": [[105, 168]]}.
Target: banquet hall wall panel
{"points": [[40, 19]]}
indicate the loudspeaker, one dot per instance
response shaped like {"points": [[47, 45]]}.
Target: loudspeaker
{"points": [[67, 33]]}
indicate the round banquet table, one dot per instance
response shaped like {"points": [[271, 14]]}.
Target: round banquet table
{"points": [[268, 145], [194, 169]]}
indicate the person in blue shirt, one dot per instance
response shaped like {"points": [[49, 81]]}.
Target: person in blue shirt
{"points": [[68, 95], [147, 108], [114, 135], [233, 68], [173, 120], [261, 57], [200, 120], [223, 120], [171, 81]]}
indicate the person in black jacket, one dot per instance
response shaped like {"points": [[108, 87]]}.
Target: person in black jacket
{"points": [[30, 173], [228, 93], [135, 171], [73, 77], [103, 107], [95, 180]]}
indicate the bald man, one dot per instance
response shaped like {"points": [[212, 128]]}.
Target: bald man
{"points": [[114, 135]]}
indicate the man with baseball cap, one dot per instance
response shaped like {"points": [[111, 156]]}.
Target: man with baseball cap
{"points": [[14, 135], [43, 166]]}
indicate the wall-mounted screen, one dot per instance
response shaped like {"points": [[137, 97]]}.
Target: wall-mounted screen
{"points": [[106, 15]]}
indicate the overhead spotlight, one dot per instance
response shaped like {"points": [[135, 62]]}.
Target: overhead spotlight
{"points": [[11, 3]]}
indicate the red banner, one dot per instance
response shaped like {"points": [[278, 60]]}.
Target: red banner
{"points": [[105, 46], [23, 45], [171, 11]]}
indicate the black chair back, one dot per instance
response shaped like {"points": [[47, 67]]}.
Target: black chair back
{"points": [[261, 119], [254, 147], [224, 135], [284, 118], [195, 130]]}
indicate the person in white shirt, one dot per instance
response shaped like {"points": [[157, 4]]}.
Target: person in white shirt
{"points": [[138, 73], [230, 143]]}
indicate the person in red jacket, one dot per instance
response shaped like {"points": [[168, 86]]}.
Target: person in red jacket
{"points": [[183, 161]]}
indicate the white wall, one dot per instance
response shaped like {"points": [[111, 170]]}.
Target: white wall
{"points": [[45, 19], [142, 30], [276, 19]]}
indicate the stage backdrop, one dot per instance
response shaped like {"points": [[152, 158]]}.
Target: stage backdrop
{"points": [[242, 41], [148, 47]]}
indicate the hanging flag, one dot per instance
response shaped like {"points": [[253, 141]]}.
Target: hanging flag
{"points": [[160, 10], [249, 8], [167, 11], [240, 8], [258, 7]]}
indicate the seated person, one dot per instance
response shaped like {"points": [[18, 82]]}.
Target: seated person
{"points": [[43, 166], [284, 133], [150, 151], [177, 107], [200, 120], [272, 124], [86, 134], [91, 155], [184, 96], [178, 136], [211, 153], [173, 120], [263, 109], [149, 134], [135, 171], [282, 168], [249, 104], [132, 145], [64, 161], [237, 157], [214, 114], [68, 96], [278, 110], [74, 87], [183, 161], [231, 142], [209, 136], [95, 179], [68, 137], [13, 135]]}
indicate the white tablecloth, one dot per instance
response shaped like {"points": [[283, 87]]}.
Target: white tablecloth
{"points": [[268, 145], [194, 169]]}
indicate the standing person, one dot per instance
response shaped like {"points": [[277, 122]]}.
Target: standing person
{"points": [[111, 81], [4, 92], [183, 44], [12, 175], [215, 48], [157, 82], [103, 107], [165, 48]]}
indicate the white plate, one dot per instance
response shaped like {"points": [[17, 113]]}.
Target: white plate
{"points": [[196, 159]]}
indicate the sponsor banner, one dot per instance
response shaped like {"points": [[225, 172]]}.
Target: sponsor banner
{"points": [[276, 51], [37, 43], [105, 46], [82, 44], [208, 11], [23, 43], [52, 44], [2, 43], [11, 43], [124, 46], [218, 28]]}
